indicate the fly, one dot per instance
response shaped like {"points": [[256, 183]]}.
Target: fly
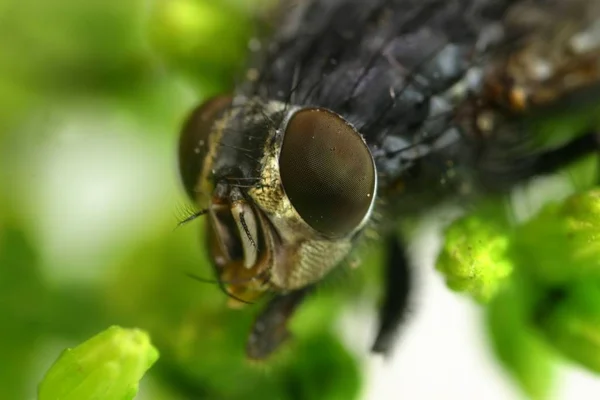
{"points": [[394, 106]]}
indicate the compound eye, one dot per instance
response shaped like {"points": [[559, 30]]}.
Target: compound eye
{"points": [[327, 171], [194, 140]]}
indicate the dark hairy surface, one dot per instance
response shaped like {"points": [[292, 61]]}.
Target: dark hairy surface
{"points": [[402, 71], [382, 65]]}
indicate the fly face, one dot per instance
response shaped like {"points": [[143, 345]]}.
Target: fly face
{"points": [[287, 191]]}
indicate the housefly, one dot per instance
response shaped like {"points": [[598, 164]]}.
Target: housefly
{"points": [[352, 109]]}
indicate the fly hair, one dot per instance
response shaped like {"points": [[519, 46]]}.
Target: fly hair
{"points": [[187, 214], [425, 139], [417, 19], [217, 282], [245, 152], [408, 80]]}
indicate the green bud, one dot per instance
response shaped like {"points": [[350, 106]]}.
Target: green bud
{"points": [[562, 243], [572, 324], [108, 366], [474, 257]]}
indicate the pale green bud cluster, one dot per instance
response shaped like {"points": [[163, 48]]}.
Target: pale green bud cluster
{"points": [[474, 257]]}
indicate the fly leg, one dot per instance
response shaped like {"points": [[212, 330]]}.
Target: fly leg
{"points": [[398, 282], [549, 162], [270, 331], [580, 147]]}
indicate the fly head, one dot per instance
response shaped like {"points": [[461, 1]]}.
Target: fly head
{"points": [[287, 191]]}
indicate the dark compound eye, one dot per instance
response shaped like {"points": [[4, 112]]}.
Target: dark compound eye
{"points": [[193, 142], [327, 171]]}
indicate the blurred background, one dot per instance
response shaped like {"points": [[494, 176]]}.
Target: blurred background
{"points": [[92, 95]]}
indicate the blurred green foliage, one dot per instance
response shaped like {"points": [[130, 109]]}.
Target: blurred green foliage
{"points": [[517, 344]]}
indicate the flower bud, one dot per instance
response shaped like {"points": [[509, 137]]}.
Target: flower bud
{"points": [[474, 257], [107, 366]]}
